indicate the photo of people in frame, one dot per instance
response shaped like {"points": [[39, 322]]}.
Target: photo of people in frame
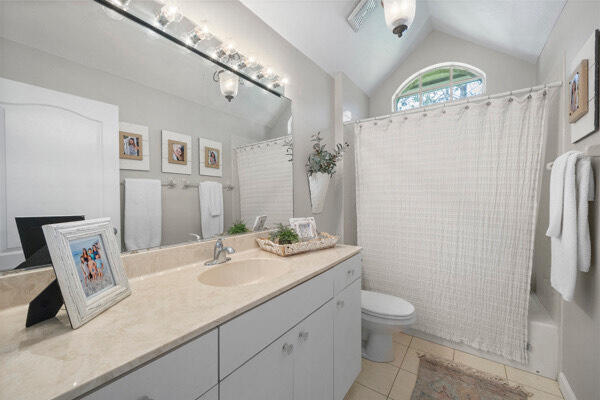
{"points": [[177, 152], [93, 268], [130, 146], [211, 157], [578, 92]]}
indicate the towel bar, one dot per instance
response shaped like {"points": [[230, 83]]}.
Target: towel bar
{"points": [[590, 151], [171, 184]]}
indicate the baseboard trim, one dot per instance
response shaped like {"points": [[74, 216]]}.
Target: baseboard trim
{"points": [[565, 388]]}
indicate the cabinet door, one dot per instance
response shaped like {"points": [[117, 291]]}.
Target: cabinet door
{"points": [[313, 362], [346, 339], [267, 376], [212, 394]]}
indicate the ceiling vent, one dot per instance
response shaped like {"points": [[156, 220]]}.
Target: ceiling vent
{"points": [[360, 13]]}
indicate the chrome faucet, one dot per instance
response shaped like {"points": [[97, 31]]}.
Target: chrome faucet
{"points": [[219, 249]]}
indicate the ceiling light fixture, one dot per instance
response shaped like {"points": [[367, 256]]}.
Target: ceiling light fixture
{"points": [[228, 83], [399, 14]]}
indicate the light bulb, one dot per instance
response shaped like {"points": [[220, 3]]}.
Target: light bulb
{"points": [[252, 62], [284, 81], [199, 34], [168, 13]]}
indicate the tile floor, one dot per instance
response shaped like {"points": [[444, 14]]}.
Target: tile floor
{"points": [[396, 380]]}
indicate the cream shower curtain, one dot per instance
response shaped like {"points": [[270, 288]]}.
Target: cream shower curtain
{"points": [[446, 206], [266, 181]]}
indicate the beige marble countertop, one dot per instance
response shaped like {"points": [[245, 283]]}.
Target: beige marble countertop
{"points": [[165, 309]]}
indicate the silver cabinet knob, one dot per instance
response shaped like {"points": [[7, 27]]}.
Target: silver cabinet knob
{"points": [[288, 348], [303, 335], [340, 303]]}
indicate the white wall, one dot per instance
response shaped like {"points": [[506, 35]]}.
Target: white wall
{"points": [[503, 71], [579, 319]]}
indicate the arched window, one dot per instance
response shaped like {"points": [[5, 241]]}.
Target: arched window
{"points": [[437, 84]]}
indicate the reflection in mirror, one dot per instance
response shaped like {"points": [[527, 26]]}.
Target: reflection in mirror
{"points": [[101, 117]]}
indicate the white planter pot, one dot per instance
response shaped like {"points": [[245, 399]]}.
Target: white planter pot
{"points": [[318, 184]]}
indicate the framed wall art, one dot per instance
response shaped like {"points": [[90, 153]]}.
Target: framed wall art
{"points": [[176, 153], [87, 262], [583, 90], [134, 147], [211, 157]]}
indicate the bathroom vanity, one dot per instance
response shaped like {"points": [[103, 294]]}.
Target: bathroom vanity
{"points": [[181, 335]]}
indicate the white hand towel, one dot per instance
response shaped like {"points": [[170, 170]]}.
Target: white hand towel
{"points": [[571, 247], [585, 192], [557, 182], [143, 213], [211, 203]]}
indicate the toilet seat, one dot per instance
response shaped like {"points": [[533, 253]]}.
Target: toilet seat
{"points": [[386, 306]]}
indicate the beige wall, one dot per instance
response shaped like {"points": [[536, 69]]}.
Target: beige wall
{"points": [[579, 319], [503, 71]]}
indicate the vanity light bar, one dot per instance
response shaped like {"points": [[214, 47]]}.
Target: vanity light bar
{"points": [[157, 29]]}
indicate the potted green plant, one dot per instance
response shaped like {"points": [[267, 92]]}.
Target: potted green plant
{"points": [[320, 168], [237, 228], [284, 235]]}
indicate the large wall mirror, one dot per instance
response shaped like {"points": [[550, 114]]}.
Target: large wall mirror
{"points": [[102, 116]]}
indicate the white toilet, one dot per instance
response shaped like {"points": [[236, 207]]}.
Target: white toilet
{"points": [[382, 316]]}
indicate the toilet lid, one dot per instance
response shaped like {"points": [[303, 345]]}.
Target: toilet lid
{"points": [[380, 304]]}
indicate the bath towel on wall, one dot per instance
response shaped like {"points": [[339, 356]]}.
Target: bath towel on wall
{"points": [[446, 211], [143, 213], [571, 187], [211, 208]]}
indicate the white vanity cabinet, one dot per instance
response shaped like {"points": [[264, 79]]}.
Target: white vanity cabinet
{"points": [[317, 359], [347, 339], [304, 344], [186, 373]]}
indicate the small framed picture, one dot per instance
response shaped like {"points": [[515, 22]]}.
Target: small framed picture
{"points": [[130, 146], [306, 228], [87, 262], [212, 157], [259, 223], [578, 92], [177, 152]]}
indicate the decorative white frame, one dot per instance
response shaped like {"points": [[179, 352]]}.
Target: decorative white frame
{"points": [[203, 143], [144, 163], [80, 308], [589, 122], [295, 223], [176, 168], [450, 64], [259, 223]]}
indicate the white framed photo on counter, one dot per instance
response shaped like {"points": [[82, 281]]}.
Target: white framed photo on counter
{"points": [[87, 263]]}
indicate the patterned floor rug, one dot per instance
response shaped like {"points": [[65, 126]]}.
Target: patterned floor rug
{"points": [[447, 380]]}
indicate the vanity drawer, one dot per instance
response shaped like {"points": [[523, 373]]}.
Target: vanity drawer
{"points": [[184, 374], [347, 272], [243, 337]]}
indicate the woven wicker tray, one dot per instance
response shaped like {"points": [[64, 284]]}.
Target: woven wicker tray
{"points": [[324, 241]]}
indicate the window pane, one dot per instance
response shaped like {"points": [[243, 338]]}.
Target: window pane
{"points": [[468, 89], [436, 77], [436, 96], [407, 102], [461, 74], [414, 85]]}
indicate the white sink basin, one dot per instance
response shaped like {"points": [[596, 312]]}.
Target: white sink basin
{"points": [[244, 272]]}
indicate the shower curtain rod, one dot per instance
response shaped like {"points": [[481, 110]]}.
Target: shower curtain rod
{"points": [[475, 99]]}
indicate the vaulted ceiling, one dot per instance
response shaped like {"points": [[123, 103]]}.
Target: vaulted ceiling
{"points": [[319, 29]]}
